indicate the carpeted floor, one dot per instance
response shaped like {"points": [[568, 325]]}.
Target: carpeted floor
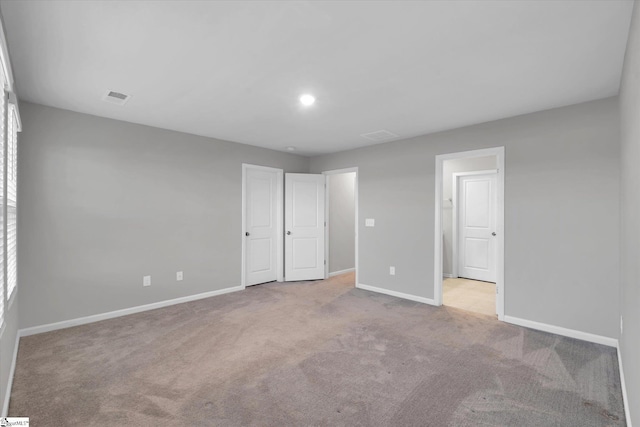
{"points": [[313, 353]]}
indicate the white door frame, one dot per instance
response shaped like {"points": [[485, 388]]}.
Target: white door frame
{"points": [[437, 256], [454, 222], [279, 220], [326, 217]]}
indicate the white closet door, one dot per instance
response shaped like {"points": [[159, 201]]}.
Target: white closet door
{"points": [[304, 226]]}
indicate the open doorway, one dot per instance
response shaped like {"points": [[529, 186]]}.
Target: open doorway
{"points": [[341, 231], [469, 226]]}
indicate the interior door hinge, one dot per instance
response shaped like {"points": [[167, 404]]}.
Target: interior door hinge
{"points": [[325, 262]]}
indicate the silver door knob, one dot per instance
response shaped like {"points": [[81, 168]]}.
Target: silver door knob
{"points": [[493, 234], [247, 234], [288, 233]]}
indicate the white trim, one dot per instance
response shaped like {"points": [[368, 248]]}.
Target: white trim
{"points": [[327, 196], [396, 294], [340, 171], [357, 224], [558, 330], [12, 297], [126, 311], [449, 276], [339, 272], [12, 370], [438, 236], [470, 173], [437, 241], [13, 100], [279, 221], [623, 385], [455, 258], [5, 61]]}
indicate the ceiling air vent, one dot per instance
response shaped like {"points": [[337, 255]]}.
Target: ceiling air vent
{"points": [[115, 97], [380, 136]]}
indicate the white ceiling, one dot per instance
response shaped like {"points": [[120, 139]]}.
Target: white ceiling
{"points": [[235, 70]]}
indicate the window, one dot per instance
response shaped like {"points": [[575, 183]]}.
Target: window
{"points": [[3, 116], [9, 128], [12, 206]]}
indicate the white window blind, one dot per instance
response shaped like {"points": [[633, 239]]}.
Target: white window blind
{"points": [[3, 120], [12, 178]]}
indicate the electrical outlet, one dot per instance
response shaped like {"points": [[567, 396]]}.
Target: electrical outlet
{"points": [[392, 270], [369, 222], [179, 276], [146, 281], [621, 325]]}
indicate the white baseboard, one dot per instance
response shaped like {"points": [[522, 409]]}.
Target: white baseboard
{"points": [[12, 370], [396, 294], [132, 310], [571, 333], [623, 385], [447, 275], [339, 272]]}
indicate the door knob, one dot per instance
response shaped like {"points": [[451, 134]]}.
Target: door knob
{"points": [[288, 233], [247, 234], [493, 234]]}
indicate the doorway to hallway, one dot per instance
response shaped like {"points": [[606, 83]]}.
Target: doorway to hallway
{"points": [[342, 222], [469, 244]]}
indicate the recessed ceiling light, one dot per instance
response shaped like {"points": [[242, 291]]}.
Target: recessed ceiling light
{"points": [[290, 148], [307, 99]]}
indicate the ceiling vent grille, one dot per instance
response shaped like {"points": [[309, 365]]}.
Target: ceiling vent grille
{"points": [[115, 97], [380, 136]]}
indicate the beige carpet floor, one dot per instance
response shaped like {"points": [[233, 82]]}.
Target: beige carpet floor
{"points": [[312, 354], [470, 295]]}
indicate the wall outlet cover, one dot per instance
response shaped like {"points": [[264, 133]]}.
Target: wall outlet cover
{"points": [[179, 276], [369, 222], [146, 281]]}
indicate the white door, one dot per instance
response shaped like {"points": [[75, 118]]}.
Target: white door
{"points": [[477, 227], [304, 226], [261, 224]]}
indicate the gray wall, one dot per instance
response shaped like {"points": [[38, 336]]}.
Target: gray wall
{"points": [[630, 172], [449, 167], [561, 212], [104, 202], [342, 224]]}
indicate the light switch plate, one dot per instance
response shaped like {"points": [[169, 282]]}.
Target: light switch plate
{"points": [[146, 281], [369, 222], [179, 276]]}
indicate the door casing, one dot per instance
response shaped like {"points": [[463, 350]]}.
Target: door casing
{"points": [[326, 216], [499, 152]]}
